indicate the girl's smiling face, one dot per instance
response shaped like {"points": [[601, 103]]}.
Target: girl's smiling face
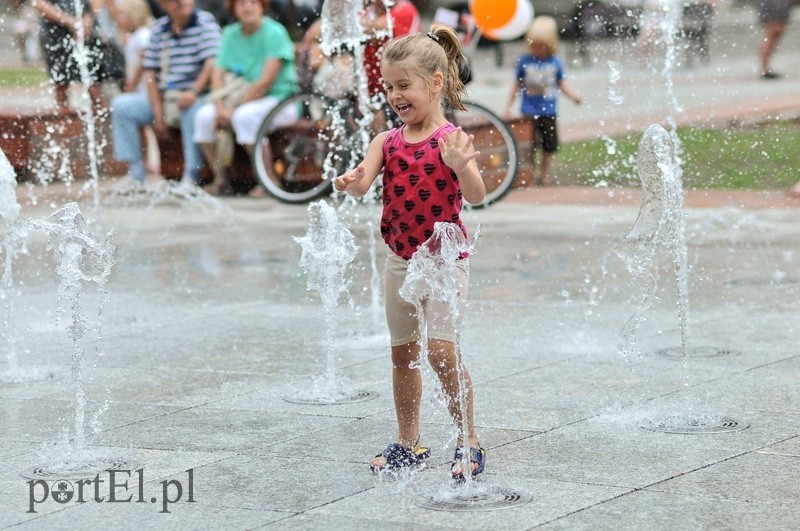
{"points": [[411, 96]]}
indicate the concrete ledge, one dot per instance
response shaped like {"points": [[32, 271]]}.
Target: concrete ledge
{"points": [[53, 141], [240, 175]]}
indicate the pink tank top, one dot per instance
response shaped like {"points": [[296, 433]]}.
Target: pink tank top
{"points": [[419, 189]]}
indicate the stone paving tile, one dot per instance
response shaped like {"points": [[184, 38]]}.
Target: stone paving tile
{"points": [[149, 516], [35, 420], [789, 447], [154, 466], [273, 482], [556, 406], [210, 429], [655, 510], [399, 501]]}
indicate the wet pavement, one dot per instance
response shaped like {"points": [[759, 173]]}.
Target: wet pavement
{"points": [[207, 336]]}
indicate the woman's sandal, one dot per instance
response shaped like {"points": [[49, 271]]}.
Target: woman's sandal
{"points": [[398, 457], [476, 455]]}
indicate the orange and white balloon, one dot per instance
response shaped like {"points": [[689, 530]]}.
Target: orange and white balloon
{"points": [[492, 14], [502, 20]]}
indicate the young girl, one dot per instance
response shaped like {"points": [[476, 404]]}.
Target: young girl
{"points": [[428, 166], [539, 76]]}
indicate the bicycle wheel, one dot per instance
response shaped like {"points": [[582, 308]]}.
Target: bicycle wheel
{"points": [[297, 151], [498, 159]]}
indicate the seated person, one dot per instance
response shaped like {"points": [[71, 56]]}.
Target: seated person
{"points": [[259, 50], [180, 57]]}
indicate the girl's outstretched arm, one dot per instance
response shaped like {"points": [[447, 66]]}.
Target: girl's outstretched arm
{"points": [[358, 181], [459, 153]]}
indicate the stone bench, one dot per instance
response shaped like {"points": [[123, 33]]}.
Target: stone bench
{"points": [[44, 143], [41, 143], [240, 175]]}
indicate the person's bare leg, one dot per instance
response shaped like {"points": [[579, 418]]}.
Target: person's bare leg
{"points": [[534, 178], [772, 34], [407, 389], [99, 107], [209, 151], [544, 171], [442, 357], [258, 191], [61, 93]]}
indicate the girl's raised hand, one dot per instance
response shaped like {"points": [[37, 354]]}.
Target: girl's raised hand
{"points": [[343, 181], [457, 149]]}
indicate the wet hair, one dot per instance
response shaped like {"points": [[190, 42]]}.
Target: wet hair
{"points": [[427, 53], [137, 10], [543, 30], [231, 4]]}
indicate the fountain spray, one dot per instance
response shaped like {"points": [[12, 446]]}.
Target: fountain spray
{"points": [[328, 249], [660, 223], [432, 275], [81, 256]]}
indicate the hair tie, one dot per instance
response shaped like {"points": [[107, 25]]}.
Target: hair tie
{"points": [[434, 37]]}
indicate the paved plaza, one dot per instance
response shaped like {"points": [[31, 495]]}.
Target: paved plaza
{"points": [[203, 345], [209, 336]]}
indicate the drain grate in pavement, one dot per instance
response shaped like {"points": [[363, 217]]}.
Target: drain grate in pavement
{"points": [[488, 499], [86, 469], [356, 396], [694, 426], [676, 353]]}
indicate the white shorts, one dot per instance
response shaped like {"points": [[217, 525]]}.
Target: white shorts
{"points": [[246, 119]]}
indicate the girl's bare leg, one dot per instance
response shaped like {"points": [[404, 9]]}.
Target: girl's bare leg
{"points": [[407, 388], [442, 357]]}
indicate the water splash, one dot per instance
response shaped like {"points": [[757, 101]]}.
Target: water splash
{"points": [[86, 110], [342, 32], [81, 257], [14, 242], [433, 275], [614, 74], [660, 223], [15, 239], [328, 250]]}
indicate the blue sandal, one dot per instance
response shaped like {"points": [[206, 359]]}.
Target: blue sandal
{"points": [[476, 455], [398, 457]]}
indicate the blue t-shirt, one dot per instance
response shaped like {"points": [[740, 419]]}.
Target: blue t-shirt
{"points": [[539, 80]]}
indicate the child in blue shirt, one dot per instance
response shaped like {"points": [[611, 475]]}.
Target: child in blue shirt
{"points": [[539, 76]]}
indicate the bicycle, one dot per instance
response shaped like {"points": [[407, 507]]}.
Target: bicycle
{"points": [[298, 153], [308, 139]]}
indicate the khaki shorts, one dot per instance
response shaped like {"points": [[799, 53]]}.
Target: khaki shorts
{"points": [[401, 315]]}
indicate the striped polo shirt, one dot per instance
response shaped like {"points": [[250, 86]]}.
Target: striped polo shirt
{"points": [[187, 51]]}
